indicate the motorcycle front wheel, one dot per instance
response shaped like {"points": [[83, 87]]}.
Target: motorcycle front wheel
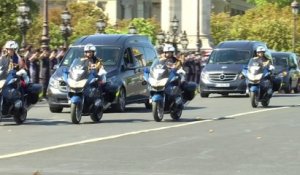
{"points": [[176, 113], [265, 103], [157, 111], [20, 116], [20, 113], [254, 100], [96, 116], [76, 110]]}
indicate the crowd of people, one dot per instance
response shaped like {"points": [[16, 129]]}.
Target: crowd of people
{"points": [[38, 62]]}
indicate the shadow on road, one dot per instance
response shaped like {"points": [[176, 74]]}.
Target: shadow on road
{"points": [[286, 95], [231, 96], [34, 121]]}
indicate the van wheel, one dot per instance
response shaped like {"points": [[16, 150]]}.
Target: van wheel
{"points": [[148, 105], [297, 88], [120, 104], [204, 95], [288, 88], [56, 109], [225, 94]]}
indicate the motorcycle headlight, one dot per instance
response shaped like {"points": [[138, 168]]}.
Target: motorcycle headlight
{"points": [[54, 83]]}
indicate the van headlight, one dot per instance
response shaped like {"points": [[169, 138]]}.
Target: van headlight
{"points": [[282, 74], [54, 83], [204, 76]]}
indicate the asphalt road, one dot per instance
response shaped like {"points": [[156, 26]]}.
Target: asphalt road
{"points": [[216, 136]]}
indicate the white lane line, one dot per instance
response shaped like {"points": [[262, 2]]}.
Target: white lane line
{"points": [[22, 153], [253, 112]]}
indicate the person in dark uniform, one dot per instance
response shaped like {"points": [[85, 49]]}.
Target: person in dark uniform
{"points": [[34, 66], [45, 70], [53, 61]]}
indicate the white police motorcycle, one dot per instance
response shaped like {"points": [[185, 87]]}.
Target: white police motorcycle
{"points": [[84, 91]]}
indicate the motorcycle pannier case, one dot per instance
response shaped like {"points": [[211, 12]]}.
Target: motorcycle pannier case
{"points": [[189, 90], [110, 91], [34, 91]]}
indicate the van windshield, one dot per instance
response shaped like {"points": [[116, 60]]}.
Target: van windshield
{"points": [[230, 57], [108, 54], [280, 60]]}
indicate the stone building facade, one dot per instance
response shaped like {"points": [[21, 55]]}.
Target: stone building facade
{"points": [[164, 11]]}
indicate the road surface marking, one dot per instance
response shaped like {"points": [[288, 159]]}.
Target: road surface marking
{"points": [[22, 153]]}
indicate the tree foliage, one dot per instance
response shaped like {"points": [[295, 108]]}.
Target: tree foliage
{"points": [[281, 3], [8, 11], [268, 23], [83, 22]]}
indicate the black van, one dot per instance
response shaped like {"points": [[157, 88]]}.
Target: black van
{"points": [[124, 58], [222, 73]]}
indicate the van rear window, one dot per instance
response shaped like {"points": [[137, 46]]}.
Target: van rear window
{"points": [[229, 57]]}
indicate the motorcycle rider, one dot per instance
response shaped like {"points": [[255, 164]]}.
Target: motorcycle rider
{"points": [[266, 59], [16, 62], [172, 61], [94, 62]]}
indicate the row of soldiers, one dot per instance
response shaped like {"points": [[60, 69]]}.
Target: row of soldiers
{"points": [[41, 63]]}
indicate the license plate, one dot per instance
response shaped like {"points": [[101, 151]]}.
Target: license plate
{"points": [[222, 85]]}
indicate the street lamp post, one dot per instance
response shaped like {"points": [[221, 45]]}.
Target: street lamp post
{"points": [[174, 27], [199, 43], [132, 29], [65, 27], [101, 25], [172, 37], [160, 38], [295, 9], [45, 35], [184, 41], [23, 21]]}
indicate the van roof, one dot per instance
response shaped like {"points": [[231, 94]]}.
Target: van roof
{"points": [[111, 39], [241, 44]]}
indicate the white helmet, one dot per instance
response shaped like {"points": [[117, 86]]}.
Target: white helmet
{"points": [[169, 48], [260, 49], [90, 47], [11, 45]]}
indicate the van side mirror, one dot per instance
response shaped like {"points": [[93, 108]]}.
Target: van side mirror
{"points": [[293, 66]]}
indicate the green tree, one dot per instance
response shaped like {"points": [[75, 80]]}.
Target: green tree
{"points": [[281, 3], [83, 22], [8, 11], [268, 23], [147, 27]]}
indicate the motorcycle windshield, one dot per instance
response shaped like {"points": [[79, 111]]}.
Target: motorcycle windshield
{"points": [[255, 69], [159, 69], [79, 69], [4, 66]]}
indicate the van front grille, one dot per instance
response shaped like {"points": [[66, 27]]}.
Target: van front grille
{"points": [[222, 77]]}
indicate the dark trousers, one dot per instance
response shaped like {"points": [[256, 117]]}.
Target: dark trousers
{"points": [[34, 71], [44, 80]]}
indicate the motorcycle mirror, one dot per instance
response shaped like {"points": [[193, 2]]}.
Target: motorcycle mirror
{"points": [[65, 70], [144, 83], [146, 70]]}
